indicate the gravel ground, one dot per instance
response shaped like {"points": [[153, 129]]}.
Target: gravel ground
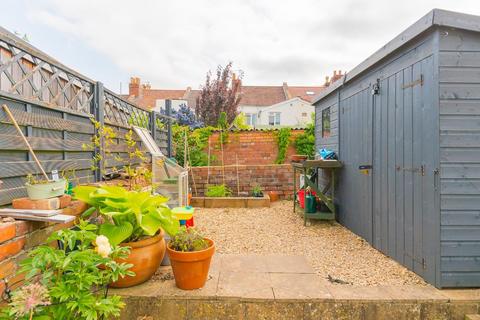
{"points": [[331, 249]]}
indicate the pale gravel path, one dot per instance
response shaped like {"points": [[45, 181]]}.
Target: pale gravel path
{"points": [[329, 247]]}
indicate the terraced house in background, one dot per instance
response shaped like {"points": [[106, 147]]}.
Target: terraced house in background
{"points": [[263, 106]]}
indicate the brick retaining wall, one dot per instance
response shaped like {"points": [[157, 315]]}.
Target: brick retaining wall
{"points": [[270, 177], [249, 147], [18, 237]]}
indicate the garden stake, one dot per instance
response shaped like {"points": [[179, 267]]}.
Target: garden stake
{"points": [[191, 171], [223, 161], [10, 115], [208, 162], [238, 181]]}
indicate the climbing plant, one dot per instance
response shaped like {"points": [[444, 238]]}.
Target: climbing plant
{"points": [[197, 141], [305, 142], [283, 140]]}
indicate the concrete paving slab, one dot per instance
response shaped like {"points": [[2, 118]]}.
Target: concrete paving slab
{"points": [[288, 264], [461, 294], [415, 293], [245, 285], [299, 286], [243, 263]]}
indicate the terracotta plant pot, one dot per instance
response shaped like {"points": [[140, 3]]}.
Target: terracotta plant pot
{"points": [[299, 157], [273, 196], [191, 268], [146, 256]]}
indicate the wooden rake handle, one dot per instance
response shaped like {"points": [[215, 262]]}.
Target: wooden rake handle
{"points": [[10, 115]]}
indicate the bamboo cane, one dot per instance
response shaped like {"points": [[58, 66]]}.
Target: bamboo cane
{"points": [[238, 180], [10, 115]]}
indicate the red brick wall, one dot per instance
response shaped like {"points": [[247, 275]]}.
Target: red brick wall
{"points": [[270, 177], [250, 147], [18, 237]]}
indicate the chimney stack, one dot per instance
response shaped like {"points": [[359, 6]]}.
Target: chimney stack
{"points": [[134, 87], [286, 92]]}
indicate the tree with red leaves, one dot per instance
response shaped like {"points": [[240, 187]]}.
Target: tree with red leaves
{"points": [[219, 95]]}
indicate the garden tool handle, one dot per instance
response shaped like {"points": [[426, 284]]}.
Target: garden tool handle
{"points": [[7, 111]]}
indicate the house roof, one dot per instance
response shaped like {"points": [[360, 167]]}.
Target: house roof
{"points": [[436, 17], [305, 93], [250, 95], [261, 95]]}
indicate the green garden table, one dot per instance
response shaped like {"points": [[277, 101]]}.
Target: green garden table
{"points": [[327, 194]]}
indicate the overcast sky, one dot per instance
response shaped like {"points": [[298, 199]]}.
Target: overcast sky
{"points": [[172, 44]]}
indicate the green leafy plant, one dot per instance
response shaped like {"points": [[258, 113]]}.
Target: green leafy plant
{"points": [[129, 215], [257, 191], [220, 190], [305, 142], [140, 120], [32, 180], [240, 122], [283, 140], [70, 281], [197, 142], [188, 240]]}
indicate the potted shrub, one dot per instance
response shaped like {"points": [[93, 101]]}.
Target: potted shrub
{"points": [[257, 191], [190, 255], [71, 282], [44, 189], [132, 219]]}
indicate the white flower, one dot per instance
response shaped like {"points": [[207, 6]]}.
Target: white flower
{"points": [[104, 250], [101, 240], [103, 247]]}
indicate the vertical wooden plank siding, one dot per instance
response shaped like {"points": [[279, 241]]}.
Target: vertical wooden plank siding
{"points": [[459, 74], [392, 207]]}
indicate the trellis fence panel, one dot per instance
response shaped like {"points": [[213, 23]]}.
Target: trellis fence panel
{"points": [[54, 106]]}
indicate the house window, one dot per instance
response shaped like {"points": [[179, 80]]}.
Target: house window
{"points": [[326, 123], [274, 118], [251, 119], [304, 114]]}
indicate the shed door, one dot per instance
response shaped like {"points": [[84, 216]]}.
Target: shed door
{"points": [[403, 168], [356, 155]]}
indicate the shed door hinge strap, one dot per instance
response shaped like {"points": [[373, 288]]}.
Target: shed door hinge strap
{"points": [[414, 83]]}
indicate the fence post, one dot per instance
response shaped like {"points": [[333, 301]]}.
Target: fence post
{"points": [[153, 124], [168, 111], [99, 113]]}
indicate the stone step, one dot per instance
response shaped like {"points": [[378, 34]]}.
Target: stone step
{"points": [[287, 287]]}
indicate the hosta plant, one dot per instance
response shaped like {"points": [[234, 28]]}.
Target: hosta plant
{"points": [[69, 282], [128, 215]]}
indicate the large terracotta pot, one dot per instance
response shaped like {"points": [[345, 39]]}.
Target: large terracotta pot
{"points": [[191, 268], [146, 256]]}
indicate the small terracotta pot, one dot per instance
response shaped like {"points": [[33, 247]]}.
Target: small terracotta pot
{"points": [[299, 157], [191, 268], [273, 196], [146, 256]]}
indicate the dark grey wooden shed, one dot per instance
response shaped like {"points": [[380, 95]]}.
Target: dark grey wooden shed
{"points": [[406, 124]]}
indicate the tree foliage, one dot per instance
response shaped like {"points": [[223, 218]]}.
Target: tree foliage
{"points": [[218, 95]]}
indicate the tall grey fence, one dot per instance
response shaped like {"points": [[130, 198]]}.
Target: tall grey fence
{"points": [[54, 106]]}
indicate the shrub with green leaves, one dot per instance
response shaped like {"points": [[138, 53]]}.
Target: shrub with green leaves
{"points": [[69, 282], [129, 215], [305, 142], [220, 190], [188, 240]]}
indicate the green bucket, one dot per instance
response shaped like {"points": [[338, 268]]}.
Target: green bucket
{"points": [[46, 190]]}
